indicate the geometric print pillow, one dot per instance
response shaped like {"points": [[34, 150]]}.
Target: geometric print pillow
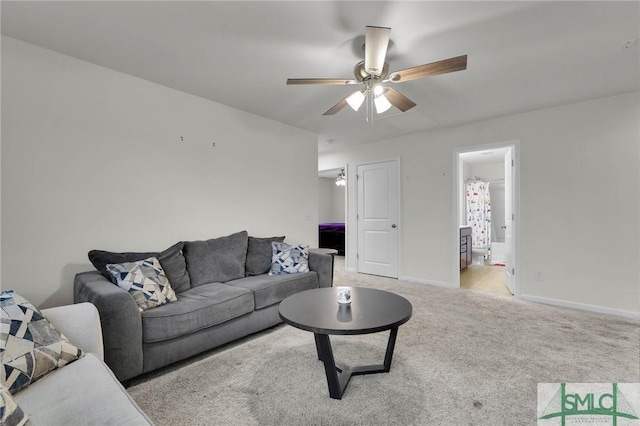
{"points": [[10, 412], [288, 259], [145, 281], [31, 347]]}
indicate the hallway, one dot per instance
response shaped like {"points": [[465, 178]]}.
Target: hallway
{"points": [[485, 278]]}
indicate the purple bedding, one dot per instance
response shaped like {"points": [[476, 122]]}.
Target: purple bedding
{"points": [[331, 235], [334, 227]]}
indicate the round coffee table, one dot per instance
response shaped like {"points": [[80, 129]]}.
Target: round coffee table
{"points": [[370, 311]]}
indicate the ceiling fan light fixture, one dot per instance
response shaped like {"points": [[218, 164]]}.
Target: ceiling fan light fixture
{"points": [[356, 99], [342, 179], [382, 104], [373, 71]]}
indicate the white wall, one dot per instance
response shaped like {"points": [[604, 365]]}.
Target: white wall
{"points": [[0, 185], [331, 201], [488, 171], [338, 203], [325, 200], [93, 159], [580, 200]]}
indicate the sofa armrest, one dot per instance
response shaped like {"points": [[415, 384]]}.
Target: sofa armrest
{"points": [[322, 264], [80, 324], [120, 319]]}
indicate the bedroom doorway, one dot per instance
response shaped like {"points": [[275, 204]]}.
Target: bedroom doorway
{"points": [[332, 206]]}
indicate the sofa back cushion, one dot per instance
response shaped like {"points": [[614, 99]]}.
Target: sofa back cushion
{"points": [[171, 260], [217, 260], [259, 255]]}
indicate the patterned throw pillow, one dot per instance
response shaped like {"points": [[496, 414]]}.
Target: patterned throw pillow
{"points": [[288, 259], [30, 345], [172, 261], [145, 281], [10, 412]]}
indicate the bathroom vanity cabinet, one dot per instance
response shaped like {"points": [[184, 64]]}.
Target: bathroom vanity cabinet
{"points": [[465, 247]]}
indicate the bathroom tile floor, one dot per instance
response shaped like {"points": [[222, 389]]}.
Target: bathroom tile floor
{"points": [[484, 277]]}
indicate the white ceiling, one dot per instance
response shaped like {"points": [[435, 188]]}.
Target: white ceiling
{"points": [[522, 56], [484, 156]]}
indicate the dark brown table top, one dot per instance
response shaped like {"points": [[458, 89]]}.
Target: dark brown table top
{"points": [[370, 311]]}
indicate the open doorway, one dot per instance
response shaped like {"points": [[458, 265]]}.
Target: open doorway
{"points": [[332, 215], [486, 206]]}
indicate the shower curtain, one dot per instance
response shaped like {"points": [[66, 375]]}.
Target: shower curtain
{"points": [[479, 214]]}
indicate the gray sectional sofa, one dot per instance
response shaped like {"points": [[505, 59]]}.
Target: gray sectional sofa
{"points": [[224, 292]]}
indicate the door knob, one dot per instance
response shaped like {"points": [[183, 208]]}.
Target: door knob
{"points": [[394, 226]]}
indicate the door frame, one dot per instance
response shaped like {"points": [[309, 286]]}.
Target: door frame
{"points": [[399, 203], [515, 146]]}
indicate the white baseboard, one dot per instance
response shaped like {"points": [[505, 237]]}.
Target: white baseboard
{"points": [[428, 282], [582, 306], [536, 299], [350, 269]]}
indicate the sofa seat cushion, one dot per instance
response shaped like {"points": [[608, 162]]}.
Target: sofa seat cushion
{"points": [[196, 309], [83, 393], [270, 289]]}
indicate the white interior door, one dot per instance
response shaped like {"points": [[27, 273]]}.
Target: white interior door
{"points": [[509, 263], [378, 219]]}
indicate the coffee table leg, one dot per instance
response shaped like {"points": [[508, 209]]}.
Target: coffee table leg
{"points": [[338, 376], [391, 344], [325, 354]]}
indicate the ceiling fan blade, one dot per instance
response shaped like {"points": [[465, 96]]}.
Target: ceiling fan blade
{"points": [[337, 107], [376, 41], [321, 81], [458, 63], [398, 100]]}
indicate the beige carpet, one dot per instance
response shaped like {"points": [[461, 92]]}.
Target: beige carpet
{"points": [[464, 358]]}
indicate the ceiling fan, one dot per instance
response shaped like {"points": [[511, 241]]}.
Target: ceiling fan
{"points": [[374, 71]]}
